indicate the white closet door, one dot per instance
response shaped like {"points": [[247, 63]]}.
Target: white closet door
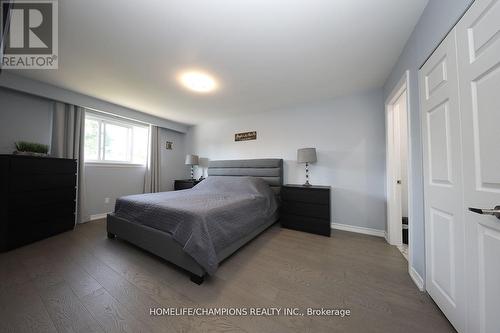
{"points": [[444, 214], [478, 38]]}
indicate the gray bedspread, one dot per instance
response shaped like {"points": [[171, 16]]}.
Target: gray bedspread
{"points": [[207, 218]]}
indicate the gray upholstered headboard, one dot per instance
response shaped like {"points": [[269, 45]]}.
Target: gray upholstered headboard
{"points": [[269, 169]]}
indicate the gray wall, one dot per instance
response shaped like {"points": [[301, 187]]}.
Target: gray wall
{"points": [[23, 118], [27, 117], [349, 134], [172, 161], [104, 181], [51, 92], [437, 19]]}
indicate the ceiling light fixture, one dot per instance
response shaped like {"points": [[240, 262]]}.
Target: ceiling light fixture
{"points": [[197, 81]]}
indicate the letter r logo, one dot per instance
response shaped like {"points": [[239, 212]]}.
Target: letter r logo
{"points": [[30, 30]]}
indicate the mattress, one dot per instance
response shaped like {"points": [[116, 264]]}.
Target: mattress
{"points": [[206, 219]]}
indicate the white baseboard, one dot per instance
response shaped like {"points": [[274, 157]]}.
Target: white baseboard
{"points": [[98, 216], [359, 230], [417, 279]]}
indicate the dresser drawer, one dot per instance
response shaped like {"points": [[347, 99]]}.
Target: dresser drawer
{"points": [[44, 212], [321, 196], [41, 197], [306, 209], [24, 234], [38, 198], [22, 183], [308, 224], [41, 166], [184, 184]]}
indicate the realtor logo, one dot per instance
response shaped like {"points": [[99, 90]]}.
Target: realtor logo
{"points": [[29, 34]]}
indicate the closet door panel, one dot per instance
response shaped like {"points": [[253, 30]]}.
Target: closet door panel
{"points": [[478, 37], [444, 217]]}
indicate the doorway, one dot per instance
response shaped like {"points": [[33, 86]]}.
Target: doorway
{"points": [[398, 168]]}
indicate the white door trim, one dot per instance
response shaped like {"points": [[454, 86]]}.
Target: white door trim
{"points": [[402, 86]]}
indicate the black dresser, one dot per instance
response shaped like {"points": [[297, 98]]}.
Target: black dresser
{"points": [[184, 184], [37, 198], [306, 208]]}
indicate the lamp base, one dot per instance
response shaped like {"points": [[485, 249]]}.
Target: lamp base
{"points": [[307, 175]]}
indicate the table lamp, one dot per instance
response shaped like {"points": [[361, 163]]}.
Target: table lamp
{"points": [[192, 160], [306, 155]]}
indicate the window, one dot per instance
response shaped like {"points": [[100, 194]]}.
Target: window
{"points": [[111, 140]]}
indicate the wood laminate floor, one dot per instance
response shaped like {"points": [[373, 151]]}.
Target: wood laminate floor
{"points": [[80, 281]]}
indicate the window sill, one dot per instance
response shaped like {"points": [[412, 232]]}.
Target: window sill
{"points": [[114, 165]]}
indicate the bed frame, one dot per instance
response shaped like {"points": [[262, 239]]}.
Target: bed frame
{"points": [[163, 245]]}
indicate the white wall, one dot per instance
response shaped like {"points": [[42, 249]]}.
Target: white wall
{"points": [[437, 19], [348, 133]]}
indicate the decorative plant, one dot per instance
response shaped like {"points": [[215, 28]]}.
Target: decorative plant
{"points": [[32, 147]]}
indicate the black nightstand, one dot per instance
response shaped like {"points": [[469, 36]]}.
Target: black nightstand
{"points": [[184, 184], [306, 208]]}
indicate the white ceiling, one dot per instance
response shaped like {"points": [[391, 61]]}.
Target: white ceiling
{"points": [[266, 54]]}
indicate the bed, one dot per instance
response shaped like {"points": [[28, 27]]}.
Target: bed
{"points": [[196, 229]]}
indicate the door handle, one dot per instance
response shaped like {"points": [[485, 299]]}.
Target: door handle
{"points": [[495, 211]]}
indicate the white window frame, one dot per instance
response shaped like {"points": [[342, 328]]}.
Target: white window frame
{"points": [[102, 121]]}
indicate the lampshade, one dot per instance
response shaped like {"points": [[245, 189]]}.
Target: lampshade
{"points": [[306, 155], [191, 159]]}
